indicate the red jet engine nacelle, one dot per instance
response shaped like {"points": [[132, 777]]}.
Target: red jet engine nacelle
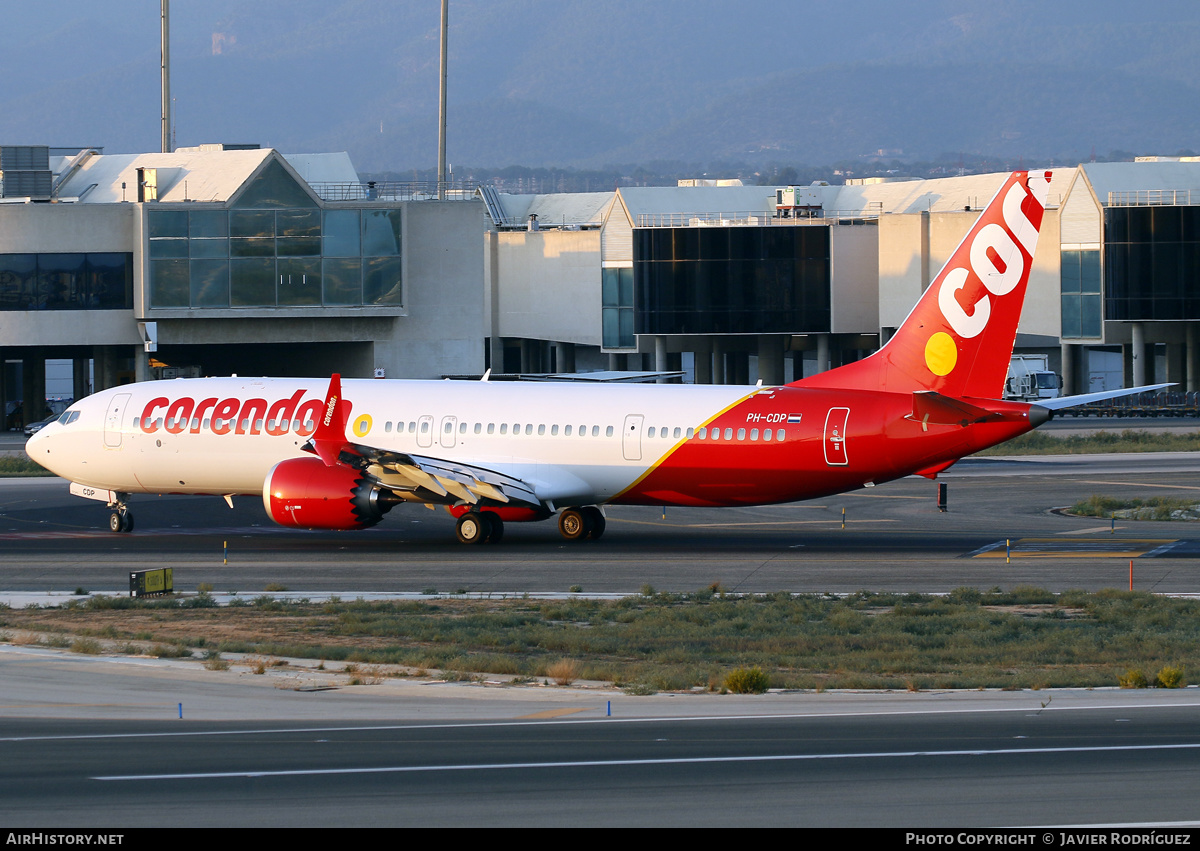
{"points": [[305, 493]]}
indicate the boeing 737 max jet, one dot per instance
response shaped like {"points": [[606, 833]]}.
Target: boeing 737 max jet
{"points": [[338, 455]]}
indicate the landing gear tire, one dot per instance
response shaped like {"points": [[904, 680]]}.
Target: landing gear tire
{"points": [[593, 514], [574, 524], [496, 525], [121, 521], [473, 528]]}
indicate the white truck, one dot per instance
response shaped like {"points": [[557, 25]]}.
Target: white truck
{"points": [[1030, 379]]}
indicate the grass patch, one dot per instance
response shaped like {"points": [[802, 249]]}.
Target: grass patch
{"points": [[1024, 637], [1129, 440], [12, 466], [1153, 508]]}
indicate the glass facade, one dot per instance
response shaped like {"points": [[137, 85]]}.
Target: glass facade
{"points": [[617, 308], [275, 248], [66, 281], [732, 280], [1080, 293], [1152, 263]]}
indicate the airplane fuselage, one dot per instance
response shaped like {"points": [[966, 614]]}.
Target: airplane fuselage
{"points": [[573, 444]]}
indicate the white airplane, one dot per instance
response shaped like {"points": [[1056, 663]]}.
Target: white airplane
{"points": [[339, 455]]}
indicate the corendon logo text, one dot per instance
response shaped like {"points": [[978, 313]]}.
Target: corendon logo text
{"points": [[995, 263], [329, 409], [236, 416]]}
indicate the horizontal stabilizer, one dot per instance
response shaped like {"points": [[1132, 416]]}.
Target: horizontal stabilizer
{"points": [[1071, 401]]}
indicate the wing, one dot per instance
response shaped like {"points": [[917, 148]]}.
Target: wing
{"points": [[415, 478], [452, 482]]}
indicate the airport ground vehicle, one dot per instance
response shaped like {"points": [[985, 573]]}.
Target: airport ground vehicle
{"points": [[1030, 379], [339, 455]]}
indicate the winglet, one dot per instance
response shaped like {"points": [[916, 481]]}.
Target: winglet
{"points": [[330, 436]]}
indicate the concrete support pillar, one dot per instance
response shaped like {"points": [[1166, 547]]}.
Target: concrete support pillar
{"points": [[703, 367], [4, 390], [1138, 354], [141, 365], [81, 379], [1069, 372], [822, 353], [107, 364], [770, 359], [1175, 367], [496, 353], [616, 361], [33, 386], [660, 357], [565, 354], [1192, 359], [718, 361], [527, 356], [738, 370]]}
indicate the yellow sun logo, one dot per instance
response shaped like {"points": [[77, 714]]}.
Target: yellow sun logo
{"points": [[941, 354]]}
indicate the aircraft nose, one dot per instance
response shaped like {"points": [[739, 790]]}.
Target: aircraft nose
{"points": [[40, 446]]}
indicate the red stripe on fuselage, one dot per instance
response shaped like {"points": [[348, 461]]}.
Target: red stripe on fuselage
{"points": [[881, 442]]}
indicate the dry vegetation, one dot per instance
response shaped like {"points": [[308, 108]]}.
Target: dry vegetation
{"points": [[1021, 638], [1129, 440]]}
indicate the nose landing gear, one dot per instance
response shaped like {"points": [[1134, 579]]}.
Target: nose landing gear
{"points": [[121, 519]]}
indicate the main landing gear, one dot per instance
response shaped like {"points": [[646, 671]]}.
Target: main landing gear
{"points": [[579, 524], [486, 527], [480, 527], [121, 520]]}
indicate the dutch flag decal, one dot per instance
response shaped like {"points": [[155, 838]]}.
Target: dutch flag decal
{"points": [[793, 418]]}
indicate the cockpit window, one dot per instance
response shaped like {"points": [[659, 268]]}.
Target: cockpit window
{"points": [[68, 417]]}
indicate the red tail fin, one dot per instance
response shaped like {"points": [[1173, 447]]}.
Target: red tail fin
{"points": [[959, 338]]}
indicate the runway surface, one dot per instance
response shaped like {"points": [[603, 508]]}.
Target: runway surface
{"points": [[894, 539], [97, 742]]}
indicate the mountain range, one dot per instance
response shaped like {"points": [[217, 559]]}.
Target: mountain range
{"points": [[584, 84]]}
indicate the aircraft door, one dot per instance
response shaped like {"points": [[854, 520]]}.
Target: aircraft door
{"points": [[835, 437], [631, 438], [446, 432], [112, 420], [425, 431]]}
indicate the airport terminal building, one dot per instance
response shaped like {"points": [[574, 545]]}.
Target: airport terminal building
{"points": [[216, 260], [234, 259]]}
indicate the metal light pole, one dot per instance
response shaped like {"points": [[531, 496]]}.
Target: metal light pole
{"points": [[166, 75], [441, 108]]}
